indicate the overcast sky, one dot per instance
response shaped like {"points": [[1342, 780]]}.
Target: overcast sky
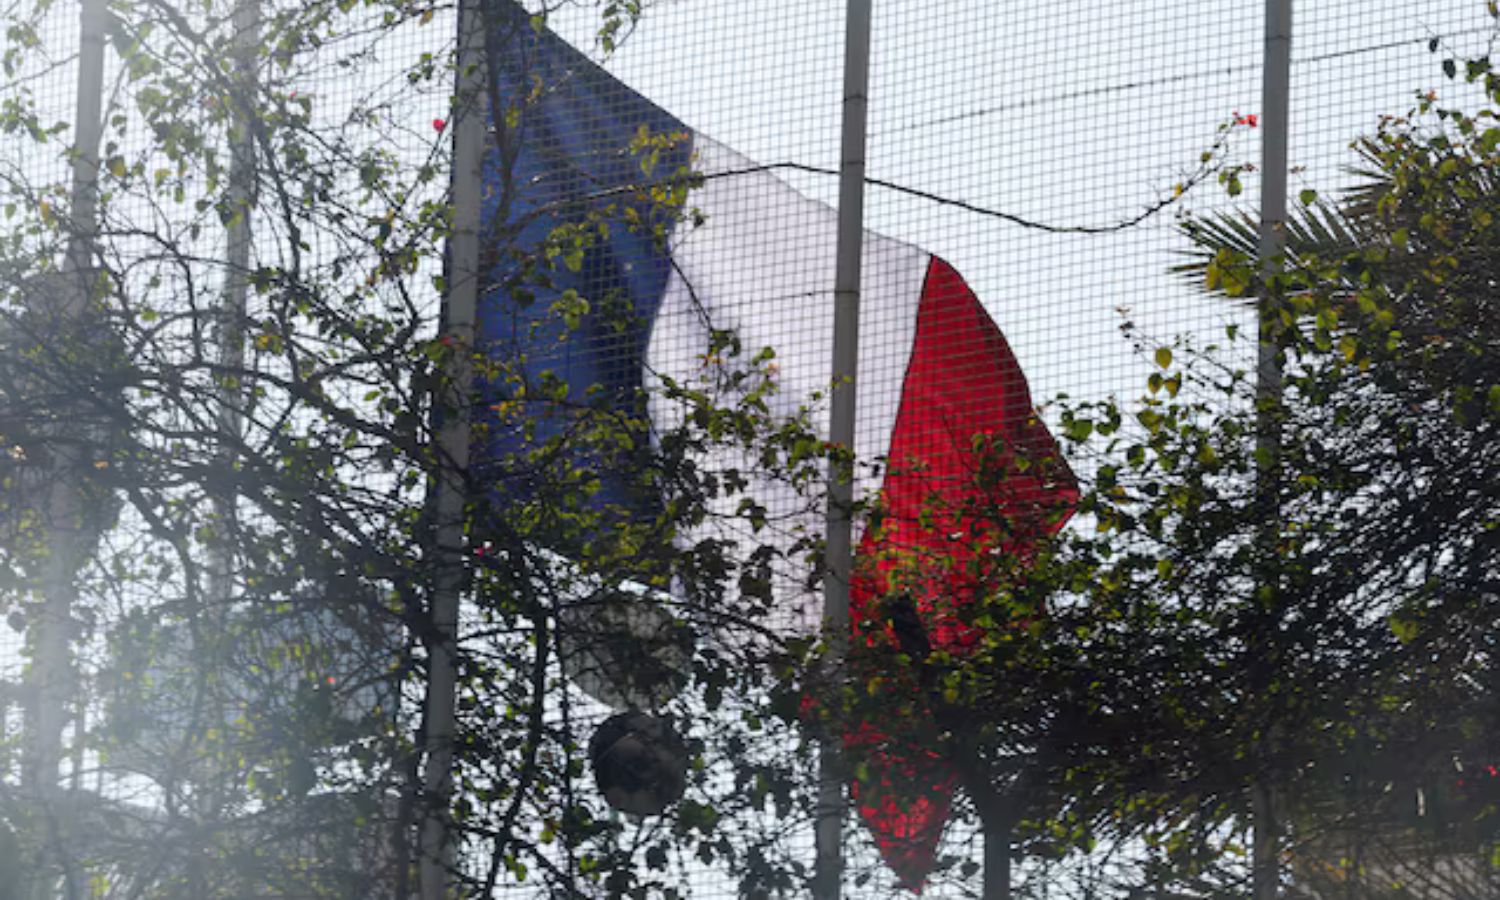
{"points": [[1069, 113]]}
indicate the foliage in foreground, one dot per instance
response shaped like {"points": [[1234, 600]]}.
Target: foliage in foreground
{"points": [[257, 608], [1292, 594]]}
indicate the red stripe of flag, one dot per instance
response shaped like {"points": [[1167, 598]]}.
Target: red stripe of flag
{"points": [[964, 405]]}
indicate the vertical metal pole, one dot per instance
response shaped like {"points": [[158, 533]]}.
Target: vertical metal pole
{"points": [[52, 669], [232, 312], [229, 398], [437, 839], [84, 203], [828, 875], [1276, 94]]}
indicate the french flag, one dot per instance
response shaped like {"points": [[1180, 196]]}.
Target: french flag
{"points": [[942, 403]]}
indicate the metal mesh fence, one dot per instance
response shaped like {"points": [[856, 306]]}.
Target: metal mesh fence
{"points": [[658, 210]]}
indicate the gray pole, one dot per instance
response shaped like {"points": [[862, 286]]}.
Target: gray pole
{"points": [[828, 875], [437, 839], [52, 667], [229, 397], [1275, 115], [238, 238]]}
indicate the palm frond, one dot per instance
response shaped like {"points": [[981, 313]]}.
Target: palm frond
{"points": [[1320, 230]]}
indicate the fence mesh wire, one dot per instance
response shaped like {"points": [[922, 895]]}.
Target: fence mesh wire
{"points": [[1043, 155]]}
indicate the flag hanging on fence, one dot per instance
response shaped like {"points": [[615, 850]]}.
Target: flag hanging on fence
{"points": [[940, 395]]}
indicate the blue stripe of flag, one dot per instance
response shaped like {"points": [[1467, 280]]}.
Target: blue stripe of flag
{"points": [[560, 152]]}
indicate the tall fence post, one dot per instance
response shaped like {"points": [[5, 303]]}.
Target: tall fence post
{"points": [[462, 293], [51, 687], [828, 876], [1275, 115], [238, 239]]}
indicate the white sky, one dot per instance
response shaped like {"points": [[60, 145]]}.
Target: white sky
{"points": [[1070, 112]]}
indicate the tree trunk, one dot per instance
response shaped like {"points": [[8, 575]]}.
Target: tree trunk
{"points": [[997, 855], [997, 819], [1266, 873]]}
